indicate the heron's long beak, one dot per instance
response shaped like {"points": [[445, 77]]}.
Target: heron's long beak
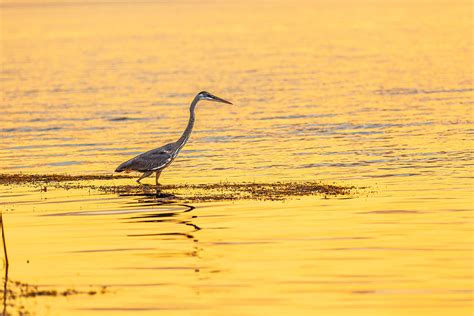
{"points": [[217, 99]]}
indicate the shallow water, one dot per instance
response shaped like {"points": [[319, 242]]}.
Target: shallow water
{"points": [[353, 93]]}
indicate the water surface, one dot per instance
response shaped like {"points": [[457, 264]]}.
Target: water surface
{"points": [[375, 95]]}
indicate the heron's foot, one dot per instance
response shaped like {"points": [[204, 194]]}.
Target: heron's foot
{"points": [[158, 192]]}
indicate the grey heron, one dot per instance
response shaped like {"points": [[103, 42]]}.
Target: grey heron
{"points": [[158, 159]]}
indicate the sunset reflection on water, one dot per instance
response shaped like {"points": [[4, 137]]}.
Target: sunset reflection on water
{"points": [[375, 95]]}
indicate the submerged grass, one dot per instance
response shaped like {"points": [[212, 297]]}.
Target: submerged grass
{"points": [[236, 191], [16, 290], [15, 293], [21, 178], [223, 191]]}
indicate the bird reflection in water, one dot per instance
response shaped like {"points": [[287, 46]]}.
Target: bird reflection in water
{"points": [[174, 215]]}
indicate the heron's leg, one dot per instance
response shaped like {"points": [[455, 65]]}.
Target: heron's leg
{"points": [[144, 175], [158, 173]]}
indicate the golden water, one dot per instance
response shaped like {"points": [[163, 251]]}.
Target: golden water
{"points": [[366, 93]]}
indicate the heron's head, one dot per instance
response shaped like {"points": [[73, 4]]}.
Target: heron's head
{"points": [[204, 95]]}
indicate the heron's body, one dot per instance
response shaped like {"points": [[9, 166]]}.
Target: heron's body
{"points": [[159, 158]]}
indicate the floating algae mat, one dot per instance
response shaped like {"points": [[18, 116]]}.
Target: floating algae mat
{"points": [[187, 192], [14, 292], [37, 179]]}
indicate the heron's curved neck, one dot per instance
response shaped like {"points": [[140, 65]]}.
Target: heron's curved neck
{"points": [[187, 132]]}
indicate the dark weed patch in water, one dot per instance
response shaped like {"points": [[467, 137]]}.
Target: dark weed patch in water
{"points": [[38, 179], [223, 191], [235, 191], [15, 292]]}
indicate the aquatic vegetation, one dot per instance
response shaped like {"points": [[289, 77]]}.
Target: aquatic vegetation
{"points": [[222, 191], [16, 289], [238, 191], [40, 179], [14, 292]]}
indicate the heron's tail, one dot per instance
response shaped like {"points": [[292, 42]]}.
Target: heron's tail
{"points": [[125, 166], [121, 168]]}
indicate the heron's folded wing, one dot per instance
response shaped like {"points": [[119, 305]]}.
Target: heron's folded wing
{"points": [[151, 160]]}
